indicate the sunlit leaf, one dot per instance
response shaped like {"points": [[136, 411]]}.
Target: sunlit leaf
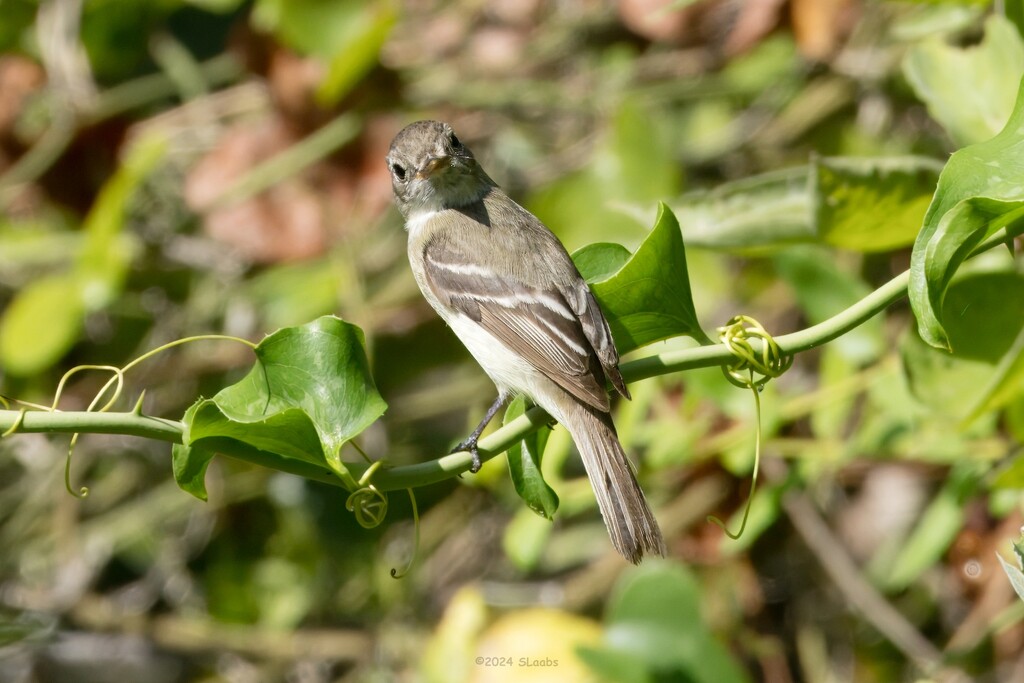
{"points": [[107, 250], [648, 299], [40, 324], [45, 318], [309, 392], [1009, 476], [366, 37], [346, 34], [937, 18], [873, 204], [764, 211], [25, 626], [863, 204], [524, 465], [980, 190], [966, 89]]}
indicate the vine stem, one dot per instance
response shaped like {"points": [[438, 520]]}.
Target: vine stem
{"points": [[432, 471]]}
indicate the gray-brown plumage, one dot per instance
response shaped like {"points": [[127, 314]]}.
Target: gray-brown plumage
{"points": [[511, 293]]}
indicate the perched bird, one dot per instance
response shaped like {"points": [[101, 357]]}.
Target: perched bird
{"points": [[508, 289]]}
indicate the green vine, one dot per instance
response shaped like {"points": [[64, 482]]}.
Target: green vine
{"points": [[421, 474], [116, 380]]}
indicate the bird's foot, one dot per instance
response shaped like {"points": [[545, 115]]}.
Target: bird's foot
{"points": [[470, 446]]}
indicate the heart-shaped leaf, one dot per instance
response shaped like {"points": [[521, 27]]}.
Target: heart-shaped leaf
{"points": [[648, 298], [309, 392], [980, 191], [965, 89]]}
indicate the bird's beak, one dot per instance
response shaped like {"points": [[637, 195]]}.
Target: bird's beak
{"points": [[433, 166]]}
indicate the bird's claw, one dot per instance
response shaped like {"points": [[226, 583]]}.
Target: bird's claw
{"points": [[470, 446]]}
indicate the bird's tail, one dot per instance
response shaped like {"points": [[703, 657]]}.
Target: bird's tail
{"points": [[631, 524]]}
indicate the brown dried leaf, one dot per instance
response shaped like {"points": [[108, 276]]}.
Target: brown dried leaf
{"points": [[19, 78], [820, 25], [286, 222], [754, 21]]}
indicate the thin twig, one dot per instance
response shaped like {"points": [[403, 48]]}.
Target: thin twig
{"points": [[861, 595]]}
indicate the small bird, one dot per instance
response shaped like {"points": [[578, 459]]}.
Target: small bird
{"points": [[509, 290]]}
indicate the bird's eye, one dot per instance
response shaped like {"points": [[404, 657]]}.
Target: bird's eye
{"points": [[456, 143], [398, 170]]}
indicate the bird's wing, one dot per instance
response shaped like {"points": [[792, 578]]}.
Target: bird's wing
{"points": [[595, 328], [537, 323]]}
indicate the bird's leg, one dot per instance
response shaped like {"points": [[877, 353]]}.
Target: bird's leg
{"points": [[470, 443]]}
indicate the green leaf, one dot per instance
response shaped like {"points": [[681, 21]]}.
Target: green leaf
{"points": [[763, 211], [367, 35], [107, 250], [980, 190], [601, 260], [1009, 476], [654, 617], [967, 89], [189, 464], [45, 319], [935, 18], [524, 465], [871, 204], [41, 323], [525, 538], [865, 204], [347, 34], [1006, 383], [985, 311], [615, 665], [1015, 575], [648, 299], [1014, 10], [309, 392], [18, 23]]}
